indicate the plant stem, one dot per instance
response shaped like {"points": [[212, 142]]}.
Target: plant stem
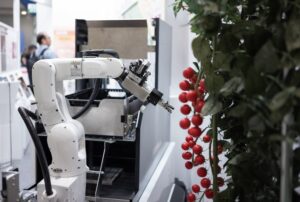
{"points": [[201, 197], [209, 154], [215, 137], [215, 156]]}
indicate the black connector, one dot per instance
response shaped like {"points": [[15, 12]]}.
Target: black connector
{"points": [[154, 97]]}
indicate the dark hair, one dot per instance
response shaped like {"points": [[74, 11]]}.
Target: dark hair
{"points": [[40, 37]]}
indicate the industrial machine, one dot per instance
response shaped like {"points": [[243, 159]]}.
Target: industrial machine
{"points": [[100, 143], [66, 136], [17, 157]]}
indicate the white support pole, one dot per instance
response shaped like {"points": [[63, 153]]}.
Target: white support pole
{"points": [[286, 179]]}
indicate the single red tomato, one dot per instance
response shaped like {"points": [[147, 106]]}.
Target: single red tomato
{"points": [[220, 181], [202, 172], [189, 138], [182, 97], [188, 165], [191, 197], [184, 123], [220, 149], [205, 183], [206, 138], [185, 146], [209, 193], [196, 188], [199, 159], [187, 155], [197, 120], [195, 131], [188, 72], [184, 85], [185, 109], [197, 149]]}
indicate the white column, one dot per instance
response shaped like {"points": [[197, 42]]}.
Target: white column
{"points": [[16, 25], [180, 59], [44, 17]]}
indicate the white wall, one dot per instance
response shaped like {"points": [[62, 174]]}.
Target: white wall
{"points": [[44, 16], [16, 14], [180, 59], [65, 12]]}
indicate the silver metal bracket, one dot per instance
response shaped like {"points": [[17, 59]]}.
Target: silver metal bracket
{"points": [[11, 183]]}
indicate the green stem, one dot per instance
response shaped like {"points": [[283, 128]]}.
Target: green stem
{"points": [[201, 197], [215, 138], [215, 156], [209, 154]]}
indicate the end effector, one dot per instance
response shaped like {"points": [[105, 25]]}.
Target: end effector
{"points": [[134, 80]]}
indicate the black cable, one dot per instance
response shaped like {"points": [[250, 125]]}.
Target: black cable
{"points": [[91, 100], [31, 114], [39, 149], [94, 53]]}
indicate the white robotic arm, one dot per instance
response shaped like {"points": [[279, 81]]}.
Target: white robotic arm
{"points": [[65, 135]]}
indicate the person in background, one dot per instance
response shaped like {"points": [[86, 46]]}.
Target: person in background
{"points": [[44, 51], [28, 52]]}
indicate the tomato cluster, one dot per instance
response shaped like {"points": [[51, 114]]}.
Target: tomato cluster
{"points": [[192, 97]]}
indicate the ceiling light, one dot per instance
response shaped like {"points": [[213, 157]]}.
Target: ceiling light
{"points": [[23, 12]]}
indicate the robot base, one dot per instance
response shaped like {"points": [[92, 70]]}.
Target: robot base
{"points": [[65, 189]]}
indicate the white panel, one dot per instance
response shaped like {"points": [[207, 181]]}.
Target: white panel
{"points": [[17, 125], [9, 48], [23, 151], [5, 139], [160, 184], [44, 17]]}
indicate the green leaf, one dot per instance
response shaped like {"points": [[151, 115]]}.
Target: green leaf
{"points": [[234, 85], [237, 159], [213, 83], [292, 33], [256, 123], [281, 98], [212, 106], [242, 62], [296, 57], [210, 7], [210, 23], [297, 92], [201, 49], [254, 82], [275, 80], [177, 6], [226, 195], [254, 37], [228, 42], [266, 59], [238, 111], [222, 61]]}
